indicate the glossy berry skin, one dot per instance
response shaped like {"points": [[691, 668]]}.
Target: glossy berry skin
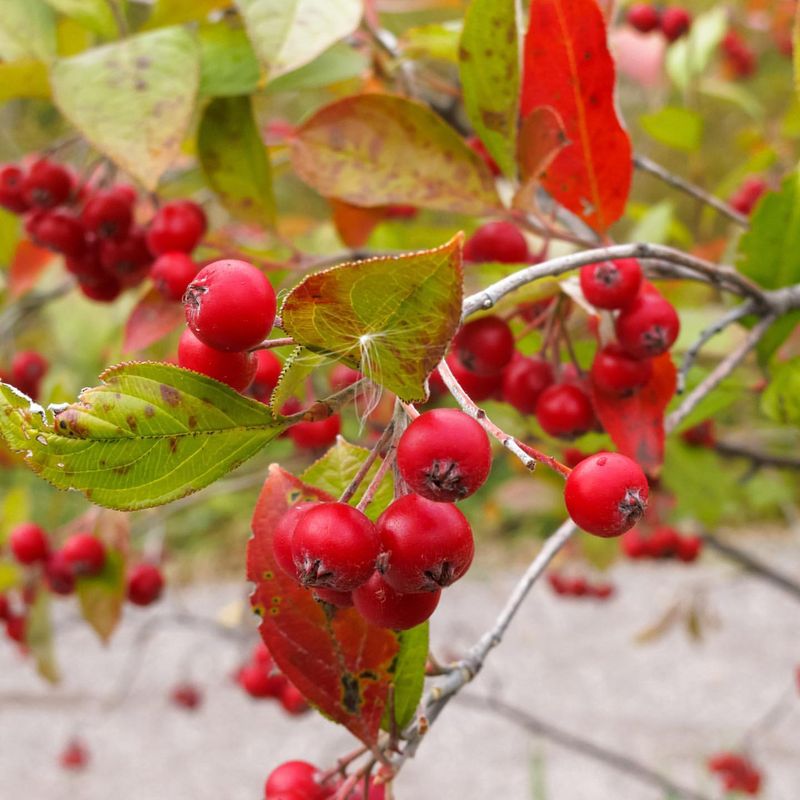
{"points": [[230, 305], [59, 575], [282, 537], [564, 411], [485, 346], [334, 546], [648, 326], [235, 369], [444, 455], [381, 605], [424, 545], [28, 543], [644, 17], [178, 225], [295, 779], [316, 435], [145, 584], [108, 215], [171, 273], [496, 241], [478, 387], [127, 260], [615, 372], [47, 184], [268, 370], [61, 232], [186, 695], [257, 681], [611, 284], [12, 180], [338, 599], [675, 22], [103, 289], [524, 379], [606, 494], [85, 554]]}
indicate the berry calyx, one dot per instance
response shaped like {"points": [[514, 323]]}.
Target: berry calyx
{"points": [[230, 305], [615, 372], [178, 225], [145, 584], [496, 241], [424, 545], [235, 369], [85, 554], [524, 380], [564, 411], [381, 605], [644, 17], [295, 779], [171, 273], [648, 326], [334, 546], [29, 544], [47, 184], [484, 346], [611, 284], [606, 494], [444, 455]]}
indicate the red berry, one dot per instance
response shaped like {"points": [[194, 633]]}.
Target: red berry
{"points": [[557, 583], [675, 22], [178, 225], [283, 534], [186, 695], [58, 574], [268, 371], [85, 554], [662, 542], [524, 379], [606, 494], [602, 591], [573, 456], [230, 305], [12, 181], [257, 681], [235, 369], [424, 545], [28, 367], [399, 211], [292, 700], [127, 260], [60, 231], [295, 779], [478, 387], [28, 543], [564, 411], [611, 284], [334, 546], [47, 184], [648, 326], [145, 584], [643, 17], [381, 605], [476, 144], [75, 755], [739, 56], [633, 545], [497, 241], [701, 435], [746, 197], [615, 372], [316, 435], [343, 376], [103, 289], [689, 548], [16, 627], [484, 346], [108, 214], [444, 455], [334, 598], [171, 273]]}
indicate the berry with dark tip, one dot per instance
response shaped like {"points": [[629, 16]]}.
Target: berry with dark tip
{"points": [[485, 346], [108, 214], [85, 554], [648, 326], [381, 605], [611, 284], [644, 17]]}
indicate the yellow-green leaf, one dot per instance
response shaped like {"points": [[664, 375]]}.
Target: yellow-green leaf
{"points": [[27, 30], [23, 79], [96, 15], [39, 637], [101, 596]]}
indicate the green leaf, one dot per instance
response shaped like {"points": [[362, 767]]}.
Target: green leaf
{"points": [[733, 93], [235, 161], [149, 434], [176, 12], [27, 30], [436, 40], [101, 596], [391, 318], [689, 57], [11, 575], [15, 508], [338, 63], [796, 50], [674, 127], [333, 472], [377, 149], [781, 399], [95, 15], [489, 70], [39, 637], [409, 676], [133, 100], [23, 79], [228, 63], [654, 225], [296, 368], [287, 34]]}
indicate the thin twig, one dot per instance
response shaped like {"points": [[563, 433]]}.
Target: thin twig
{"points": [[365, 467], [758, 458], [374, 484], [269, 344]]}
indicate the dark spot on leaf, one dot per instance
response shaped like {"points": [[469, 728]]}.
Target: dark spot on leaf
{"points": [[131, 420], [464, 54], [493, 120], [351, 693], [149, 411], [142, 62], [173, 444], [69, 421], [192, 421], [124, 470], [368, 675], [170, 394], [274, 611]]}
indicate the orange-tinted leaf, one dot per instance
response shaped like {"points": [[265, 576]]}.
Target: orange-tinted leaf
{"points": [[568, 66], [151, 319], [354, 224], [541, 138], [28, 264], [636, 424], [338, 661]]}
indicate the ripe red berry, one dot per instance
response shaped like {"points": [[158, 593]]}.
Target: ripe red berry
{"points": [[343, 376], [186, 695], [496, 241], [701, 435], [292, 700], [178, 225], [524, 379], [565, 411], [334, 546], [75, 755], [444, 455], [28, 543], [235, 369], [400, 211], [675, 22], [316, 435], [283, 534], [27, 370], [230, 305], [268, 371], [648, 326], [12, 180], [85, 554], [644, 17], [47, 184], [746, 197], [615, 372], [424, 545], [108, 215], [334, 598], [689, 548], [145, 584], [478, 387], [127, 260], [633, 545], [103, 288], [485, 346], [171, 273], [5, 607], [60, 231], [257, 681], [740, 57], [16, 627], [606, 494], [295, 779], [611, 284], [58, 574], [381, 605]]}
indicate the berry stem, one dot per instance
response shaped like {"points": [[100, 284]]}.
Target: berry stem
{"points": [[352, 488], [342, 763], [374, 484], [268, 344], [551, 462]]}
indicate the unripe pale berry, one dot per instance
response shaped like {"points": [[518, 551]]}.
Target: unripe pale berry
{"points": [[235, 369], [381, 605], [85, 554]]}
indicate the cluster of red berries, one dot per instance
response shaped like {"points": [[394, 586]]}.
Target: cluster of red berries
{"points": [[299, 780], [662, 543], [26, 372], [672, 22], [737, 772], [740, 58], [579, 586], [744, 199], [260, 678]]}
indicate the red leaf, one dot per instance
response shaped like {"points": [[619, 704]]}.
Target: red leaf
{"points": [[354, 224], [151, 319], [28, 264], [339, 662], [568, 66], [636, 423], [541, 138]]}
